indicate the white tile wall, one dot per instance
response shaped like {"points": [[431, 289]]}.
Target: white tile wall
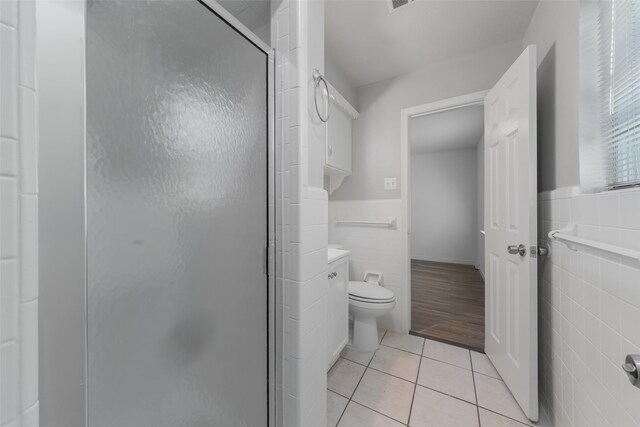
{"points": [[302, 229], [18, 216], [589, 311], [373, 248]]}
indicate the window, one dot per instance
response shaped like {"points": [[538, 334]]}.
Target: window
{"points": [[617, 45]]}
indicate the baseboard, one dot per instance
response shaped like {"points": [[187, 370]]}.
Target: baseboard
{"points": [[477, 266], [448, 261]]}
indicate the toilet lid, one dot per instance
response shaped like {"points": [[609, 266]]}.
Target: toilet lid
{"points": [[368, 291]]}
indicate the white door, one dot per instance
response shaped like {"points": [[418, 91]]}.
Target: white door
{"points": [[511, 304]]}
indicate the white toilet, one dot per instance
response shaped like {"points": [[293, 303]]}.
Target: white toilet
{"points": [[368, 300]]}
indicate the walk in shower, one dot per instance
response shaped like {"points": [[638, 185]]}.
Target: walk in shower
{"points": [[168, 226]]}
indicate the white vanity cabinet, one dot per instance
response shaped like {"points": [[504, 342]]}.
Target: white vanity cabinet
{"points": [[337, 304], [337, 163]]}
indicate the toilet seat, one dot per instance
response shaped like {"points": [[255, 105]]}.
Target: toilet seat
{"points": [[370, 293]]}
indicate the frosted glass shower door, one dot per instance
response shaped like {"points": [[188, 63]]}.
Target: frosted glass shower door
{"points": [[176, 181]]}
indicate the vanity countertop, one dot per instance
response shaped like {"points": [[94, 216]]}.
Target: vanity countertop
{"points": [[336, 254]]}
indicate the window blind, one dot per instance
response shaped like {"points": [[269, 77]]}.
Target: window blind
{"points": [[618, 49]]}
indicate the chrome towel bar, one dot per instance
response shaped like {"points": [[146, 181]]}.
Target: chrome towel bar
{"points": [[390, 222], [569, 238]]}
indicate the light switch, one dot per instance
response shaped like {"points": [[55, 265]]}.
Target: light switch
{"points": [[391, 183]]}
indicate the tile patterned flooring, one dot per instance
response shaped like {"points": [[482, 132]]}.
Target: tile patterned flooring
{"points": [[410, 381]]}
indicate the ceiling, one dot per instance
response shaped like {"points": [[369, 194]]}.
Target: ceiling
{"points": [[252, 13], [370, 44], [449, 130]]}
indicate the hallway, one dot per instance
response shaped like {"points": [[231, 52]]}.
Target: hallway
{"points": [[447, 303]]}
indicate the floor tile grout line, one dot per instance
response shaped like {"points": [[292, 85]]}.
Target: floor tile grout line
{"points": [[350, 398], [342, 413], [443, 361], [437, 360], [415, 386], [343, 410], [341, 395], [447, 363], [363, 374], [444, 341], [505, 416], [392, 375], [365, 406], [475, 390], [493, 410], [478, 402], [445, 394], [424, 386], [369, 367], [401, 349], [358, 363], [488, 376], [415, 383], [378, 412], [360, 380]]}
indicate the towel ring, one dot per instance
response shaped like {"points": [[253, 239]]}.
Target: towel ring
{"points": [[317, 77]]}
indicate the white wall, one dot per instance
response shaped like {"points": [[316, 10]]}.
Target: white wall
{"points": [[554, 28], [444, 205], [373, 248], [340, 81], [589, 311], [589, 305], [312, 26], [376, 133], [480, 207], [18, 217]]}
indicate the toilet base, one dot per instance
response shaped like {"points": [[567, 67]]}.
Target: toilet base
{"points": [[365, 333]]}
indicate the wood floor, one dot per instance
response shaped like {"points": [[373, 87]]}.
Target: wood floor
{"points": [[447, 303]]}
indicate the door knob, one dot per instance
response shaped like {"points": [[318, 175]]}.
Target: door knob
{"points": [[630, 367], [520, 249]]}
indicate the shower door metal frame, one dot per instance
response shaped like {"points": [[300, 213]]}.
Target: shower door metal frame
{"points": [[62, 239]]}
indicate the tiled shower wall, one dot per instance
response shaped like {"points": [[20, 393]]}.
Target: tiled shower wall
{"points": [[18, 217], [301, 213], [589, 310]]}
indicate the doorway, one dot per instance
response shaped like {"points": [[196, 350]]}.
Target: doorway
{"points": [[510, 223], [447, 288], [443, 166]]}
